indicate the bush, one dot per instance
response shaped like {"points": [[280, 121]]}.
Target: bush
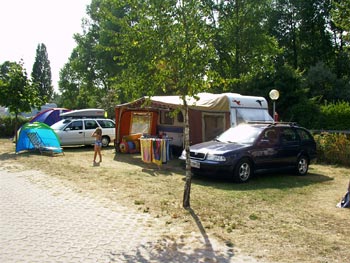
{"points": [[333, 148], [309, 114], [7, 125], [306, 113], [335, 116]]}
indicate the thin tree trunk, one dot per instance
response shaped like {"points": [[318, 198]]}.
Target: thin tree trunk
{"points": [[187, 190], [16, 127]]}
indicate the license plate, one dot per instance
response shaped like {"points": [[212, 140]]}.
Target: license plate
{"points": [[195, 164]]}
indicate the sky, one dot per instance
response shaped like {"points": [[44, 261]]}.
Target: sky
{"points": [[26, 23]]}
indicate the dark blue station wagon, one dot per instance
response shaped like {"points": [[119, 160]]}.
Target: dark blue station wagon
{"points": [[242, 150]]}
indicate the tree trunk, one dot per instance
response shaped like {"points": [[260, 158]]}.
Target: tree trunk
{"points": [[16, 127], [187, 190]]}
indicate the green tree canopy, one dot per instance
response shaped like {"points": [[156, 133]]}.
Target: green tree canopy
{"points": [[16, 91], [132, 48], [41, 74], [244, 46]]}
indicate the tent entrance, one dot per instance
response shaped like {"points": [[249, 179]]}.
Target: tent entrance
{"points": [[213, 124]]}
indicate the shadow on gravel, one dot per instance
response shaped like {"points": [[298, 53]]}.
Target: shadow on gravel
{"points": [[177, 251], [170, 252], [7, 156]]}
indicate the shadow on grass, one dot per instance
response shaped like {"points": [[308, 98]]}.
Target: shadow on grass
{"points": [[176, 251], [265, 180], [275, 180], [172, 166], [271, 180]]}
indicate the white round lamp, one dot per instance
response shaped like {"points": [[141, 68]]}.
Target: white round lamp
{"points": [[274, 95]]}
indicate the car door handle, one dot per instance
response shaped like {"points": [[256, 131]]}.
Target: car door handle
{"points": [[80, 132]]}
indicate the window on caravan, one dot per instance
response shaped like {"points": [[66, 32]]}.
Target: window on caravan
{"points": [[141, 122], [246, 115], [180, 117], [166, 117]]}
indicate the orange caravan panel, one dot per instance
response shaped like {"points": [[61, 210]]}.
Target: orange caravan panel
{"points": [[135, 122]]}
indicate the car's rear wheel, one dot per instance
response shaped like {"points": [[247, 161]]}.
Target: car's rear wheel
{"points": [[243, 171], [105, 141], [302, 165]]}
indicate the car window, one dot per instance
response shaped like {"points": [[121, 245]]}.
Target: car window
{"points": [[304, 135], [90, 124], [288, 135], [106, 123], [75, 125], [270, 136], [60, 124], [239, 134]]}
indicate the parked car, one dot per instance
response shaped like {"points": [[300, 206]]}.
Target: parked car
{"points": [[242, 150], [78, 131]]}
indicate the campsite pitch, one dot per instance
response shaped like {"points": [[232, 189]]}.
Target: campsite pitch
{"points": [[273, 218]]}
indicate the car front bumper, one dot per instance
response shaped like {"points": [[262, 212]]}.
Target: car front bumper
{"points": [[210, 167]]}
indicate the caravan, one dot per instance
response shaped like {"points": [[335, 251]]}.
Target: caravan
{"points": [[209, 115]]}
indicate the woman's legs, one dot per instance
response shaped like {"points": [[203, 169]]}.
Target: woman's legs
{"points": [[97, 150], [99, 153]]}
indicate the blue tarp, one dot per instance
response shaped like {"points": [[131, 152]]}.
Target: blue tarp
{"points": [[44, 132]]}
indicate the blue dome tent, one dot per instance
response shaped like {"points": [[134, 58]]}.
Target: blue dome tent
{"points": [[38, 136]]}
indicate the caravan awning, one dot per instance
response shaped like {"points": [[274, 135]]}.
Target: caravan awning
{"points": [[203, 101]]}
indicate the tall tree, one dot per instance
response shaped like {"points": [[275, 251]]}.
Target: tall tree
{"points": [[341, 17], [244, 46], [93, 65], [315, 37], [16, 91], [69, 86], [76, 92], [41, 74], [284, 21], [165, 47], [301, 28], [340, 14]]}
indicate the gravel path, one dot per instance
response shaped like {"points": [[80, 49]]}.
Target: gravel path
{"points": [[42, 220]]}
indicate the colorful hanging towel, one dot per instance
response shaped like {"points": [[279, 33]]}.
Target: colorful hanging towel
{"points": [[156, 151], [164, 151], [146, 150]]}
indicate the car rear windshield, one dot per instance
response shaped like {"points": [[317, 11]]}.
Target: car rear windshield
{"points": [[106, 123], [244, 134]]}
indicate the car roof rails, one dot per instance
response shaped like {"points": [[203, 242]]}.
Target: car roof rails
{"points": [[285, 123], [273, 123], [259, 122]]}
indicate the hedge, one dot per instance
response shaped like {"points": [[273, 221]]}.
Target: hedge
{"points": [[7, 125], [335, 116]]}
